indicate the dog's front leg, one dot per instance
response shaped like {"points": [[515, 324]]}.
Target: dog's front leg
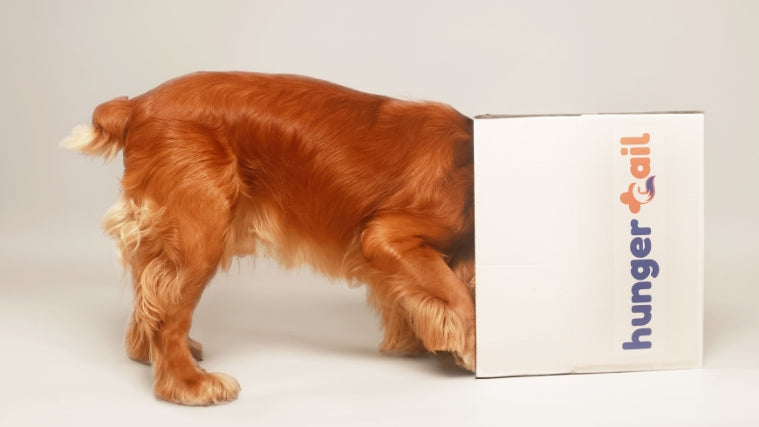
{"points": [[412, 278]]}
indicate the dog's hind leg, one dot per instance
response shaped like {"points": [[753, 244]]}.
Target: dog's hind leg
{"points": [[135, 226], [172, 255], [178, 377], [172, 283]]}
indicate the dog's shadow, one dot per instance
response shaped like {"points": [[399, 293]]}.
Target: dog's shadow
{"points": [[246, 318]]}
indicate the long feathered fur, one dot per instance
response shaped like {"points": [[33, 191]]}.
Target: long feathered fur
{"points": [[363, 187]]}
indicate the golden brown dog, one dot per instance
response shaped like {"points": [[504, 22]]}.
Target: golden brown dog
{"points": [[366, 188]]}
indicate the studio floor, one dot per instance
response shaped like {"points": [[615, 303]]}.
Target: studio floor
{"points": [[305, 352]]}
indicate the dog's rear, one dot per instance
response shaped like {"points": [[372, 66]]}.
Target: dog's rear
{"points": [[362, 187]]}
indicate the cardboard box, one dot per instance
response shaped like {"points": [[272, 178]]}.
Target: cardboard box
{"points": [[589, 242]]}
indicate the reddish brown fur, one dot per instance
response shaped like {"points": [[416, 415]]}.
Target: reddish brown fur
{"points": [[366, 188]]}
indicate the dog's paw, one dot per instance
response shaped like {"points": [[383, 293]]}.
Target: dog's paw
{"points": [[402, 345], [140, 352], [201, 389], [466, 356], [465, 360], [196, 349], [415, 351]]}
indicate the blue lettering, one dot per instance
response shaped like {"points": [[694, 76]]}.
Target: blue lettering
{"points": [[645, 311], [639, 231], [635, 342], [637, 298], [641, 269], [640, 247]]}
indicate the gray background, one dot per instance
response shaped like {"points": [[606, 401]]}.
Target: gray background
{"points": [[304, 349]]}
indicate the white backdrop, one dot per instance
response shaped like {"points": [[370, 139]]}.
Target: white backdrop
{"points": [[61, 59]]}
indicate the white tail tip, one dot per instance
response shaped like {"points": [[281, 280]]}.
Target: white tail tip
{"points": [[80, 137]]}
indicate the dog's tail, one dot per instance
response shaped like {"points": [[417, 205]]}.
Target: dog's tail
{"points": [[110, 122]]}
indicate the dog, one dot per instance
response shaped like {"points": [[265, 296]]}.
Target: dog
{"points": [[366, 188]]}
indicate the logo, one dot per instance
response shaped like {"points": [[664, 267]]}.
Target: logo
{"points": [[643, 190], [644, 269]]}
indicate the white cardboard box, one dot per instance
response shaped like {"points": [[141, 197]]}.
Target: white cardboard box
{"points": [[589, 243]]}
